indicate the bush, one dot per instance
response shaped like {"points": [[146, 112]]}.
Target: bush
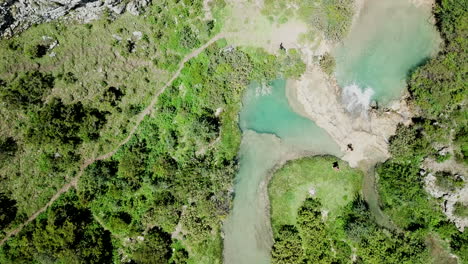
{"points": [[327, 63], [448, 182], [287, 248], [404, 198], [7, 210], [65, 124], [8, 148], [35, 51], [65, 233], [408, 144], [155, 248], [461, 209], [28, 89]]}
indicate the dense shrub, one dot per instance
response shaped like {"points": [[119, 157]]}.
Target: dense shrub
{"points": [[27, 89], [155, 248], [7, 210], [65, 233], [65, 124], [288, 246], [8, 148]]}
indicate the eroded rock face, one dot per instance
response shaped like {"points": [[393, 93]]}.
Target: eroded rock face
{"points": [[18, 15]]}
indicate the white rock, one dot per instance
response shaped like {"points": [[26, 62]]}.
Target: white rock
{"points": [[138, 35]]}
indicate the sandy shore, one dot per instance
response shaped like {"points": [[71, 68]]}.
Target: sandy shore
{"points": [[317, 97]]}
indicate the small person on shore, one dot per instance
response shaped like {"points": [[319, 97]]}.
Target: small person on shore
{"points": [[336, 166]]}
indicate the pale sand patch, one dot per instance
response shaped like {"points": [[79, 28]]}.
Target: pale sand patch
{"points": [[246, 26], [207, 9], [422, 3], [358, 7], [317, 97]]}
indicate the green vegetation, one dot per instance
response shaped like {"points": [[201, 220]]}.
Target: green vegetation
{"points": [[27, 90], [7, 211], [448, 182], [327, 228], [291, 184], [378, 245], [327, 63], [438, 89], [404, 199], [65, 233], [311, 241], [461, 209], [67, 103], [316, 238], [162, 196], [167, 175], [332, 17]]}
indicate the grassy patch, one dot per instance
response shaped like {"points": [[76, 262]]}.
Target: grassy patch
{"points": [[332, 17], [461, 209], [291, 184]]}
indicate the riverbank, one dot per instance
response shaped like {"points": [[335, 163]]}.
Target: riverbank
{"points": [[362, 132], [340, 104], [317, 97]]}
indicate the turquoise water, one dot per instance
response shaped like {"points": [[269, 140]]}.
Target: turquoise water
{"points": [[266, 110], [271, 131], [389, 39]]}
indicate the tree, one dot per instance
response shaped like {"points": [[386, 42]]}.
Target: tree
{"points": [[35, 51], [27, 89], [188, 39], [95, 180], [7, 210], [316, 240], [408, 144], [403, 197], [155, 248], [459, 243], [8, 148], [287, 248], [65, 233], [67, 124]]}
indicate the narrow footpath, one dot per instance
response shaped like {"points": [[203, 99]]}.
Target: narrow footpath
{"points": [[74, 182]]}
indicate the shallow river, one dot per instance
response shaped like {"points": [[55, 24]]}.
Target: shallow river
{"points": [[389, 39], [265, 118]]}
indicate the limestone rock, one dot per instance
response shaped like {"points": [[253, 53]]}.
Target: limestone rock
{"points": [[18, 15]]}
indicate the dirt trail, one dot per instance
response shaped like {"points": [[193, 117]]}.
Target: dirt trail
{"points": [[74, 182]]}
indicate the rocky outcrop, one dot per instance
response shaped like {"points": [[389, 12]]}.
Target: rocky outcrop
{"points": [[18, 15], [449, 198]]}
